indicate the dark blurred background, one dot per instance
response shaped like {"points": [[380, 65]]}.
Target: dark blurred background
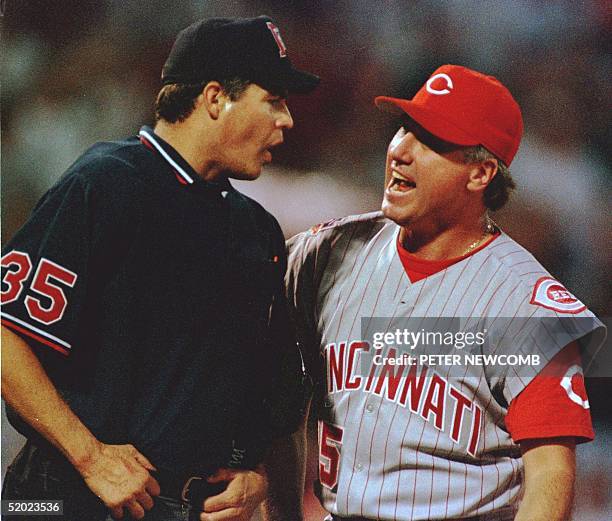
{"points": [[79, 71]]}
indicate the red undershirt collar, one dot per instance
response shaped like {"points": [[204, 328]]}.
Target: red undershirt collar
{"points": [[418, 268]]}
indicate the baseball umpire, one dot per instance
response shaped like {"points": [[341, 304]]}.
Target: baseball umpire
{"points": [[423, 439], [145, 325]]}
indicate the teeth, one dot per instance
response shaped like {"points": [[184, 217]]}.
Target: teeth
{"points": [[396, 175], [401, 183]]}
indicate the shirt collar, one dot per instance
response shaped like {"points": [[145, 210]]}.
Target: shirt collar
{"points": [[183, 171]]}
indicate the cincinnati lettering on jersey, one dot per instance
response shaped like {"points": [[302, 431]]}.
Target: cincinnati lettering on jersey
{"points": [[416, 388]]}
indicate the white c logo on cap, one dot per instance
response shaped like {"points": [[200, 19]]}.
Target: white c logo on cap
{"points": [[446, 78]]}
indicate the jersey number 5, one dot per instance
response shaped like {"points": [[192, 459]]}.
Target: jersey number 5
{"points": [[330, 443], [19, 266]]}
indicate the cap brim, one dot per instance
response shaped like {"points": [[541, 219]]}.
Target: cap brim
{"points": [[289, 79], [301, 82], [434, 123]]}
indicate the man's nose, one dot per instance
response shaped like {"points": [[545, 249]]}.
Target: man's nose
{"points": [[401, 148], [284, 120]]}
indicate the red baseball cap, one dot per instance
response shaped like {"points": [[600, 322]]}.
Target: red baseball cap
{"points": [[464, 107]]}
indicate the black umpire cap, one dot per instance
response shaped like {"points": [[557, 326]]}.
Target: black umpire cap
{"points": [[222, 48]]}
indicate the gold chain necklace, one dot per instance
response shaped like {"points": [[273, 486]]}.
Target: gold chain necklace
{"points": [[489, 229]]}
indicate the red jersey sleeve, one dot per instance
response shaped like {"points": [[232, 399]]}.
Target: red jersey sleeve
{"points": [[554, 403]]}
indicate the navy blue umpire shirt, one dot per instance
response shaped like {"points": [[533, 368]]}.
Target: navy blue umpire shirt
{"points": [[155, 302]]}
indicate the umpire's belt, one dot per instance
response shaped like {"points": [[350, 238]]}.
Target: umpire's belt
{"points": [[189, 489]]}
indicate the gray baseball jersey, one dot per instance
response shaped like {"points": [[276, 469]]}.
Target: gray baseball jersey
{"points": [[423, 441]]}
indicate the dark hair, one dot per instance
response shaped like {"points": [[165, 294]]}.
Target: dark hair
{"points": [[176, 101], [498, 191]]}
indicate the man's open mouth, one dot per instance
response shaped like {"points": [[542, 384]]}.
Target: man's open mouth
{"points": [[399, 183]]}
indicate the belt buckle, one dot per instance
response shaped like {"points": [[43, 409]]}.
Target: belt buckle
{"points": [[186, 488]]}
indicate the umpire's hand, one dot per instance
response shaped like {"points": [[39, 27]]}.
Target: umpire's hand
{"points": [[119, 476], [245, 491]]}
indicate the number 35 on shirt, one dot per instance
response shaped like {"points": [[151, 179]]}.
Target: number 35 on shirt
{"points": [[330, 444], [46, 300]]}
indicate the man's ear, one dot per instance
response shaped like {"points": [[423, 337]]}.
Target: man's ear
{"points": [[213, 98], [481, 174]]}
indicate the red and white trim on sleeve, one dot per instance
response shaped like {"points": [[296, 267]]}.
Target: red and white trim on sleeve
{"points": [[554, 404], [35, 333]]}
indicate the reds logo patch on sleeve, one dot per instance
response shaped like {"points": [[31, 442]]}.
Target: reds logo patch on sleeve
{"points": [[551, 294]]}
